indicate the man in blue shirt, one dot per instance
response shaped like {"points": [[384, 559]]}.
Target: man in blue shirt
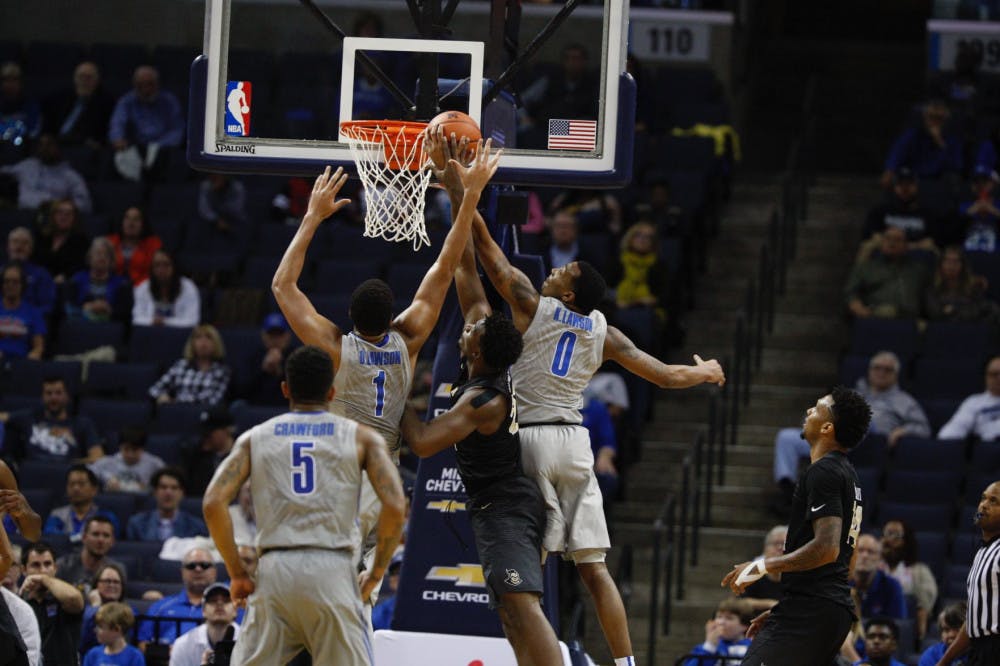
{"points": [[81, 489], [881, 636], [197, 573], [880, 593], [146, 116], [39, 289], [167, 519]]}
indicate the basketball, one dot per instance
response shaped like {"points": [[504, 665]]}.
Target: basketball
{"points": [[457, 123]]}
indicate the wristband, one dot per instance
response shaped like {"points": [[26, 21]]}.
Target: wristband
{"points": [[752, 572]]}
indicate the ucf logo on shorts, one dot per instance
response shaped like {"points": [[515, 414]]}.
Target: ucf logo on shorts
{"points": [[513, 578]]}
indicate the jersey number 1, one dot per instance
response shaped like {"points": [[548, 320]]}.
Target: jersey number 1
{"points": [[303, 468], [379, 382], [564, 354]]}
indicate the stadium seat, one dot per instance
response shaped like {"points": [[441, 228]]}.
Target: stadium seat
{"points": [[166, 571], [868, 479], [272, 240], [976, 483], [17, 403], [921, 487], [682, 153], [872, 452], [964, 547], [965, 516], [39, 499], [121, 380], [872, 335], [921, 517], [853, 367], [337, 276], [247, 416], [24, 376], [157, 344], [177, 418], [258, 271], [192, 505], [933, 551], [120, 504], [939, 410], [925, 454], [134, 589], [986, 457], [532, 266], [110, 416], [113, 197], [166, 446], [947, 339], [986, 265], [346, 242], [946, 377], [955, 581], [146, 552], [404, 279]]}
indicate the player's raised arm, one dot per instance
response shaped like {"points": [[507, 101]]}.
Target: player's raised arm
{"points": [[14, 503], [385, 481], [621, 350], [416, 322], [225, 485], [426, 439], [513, 285], [311, 327]]}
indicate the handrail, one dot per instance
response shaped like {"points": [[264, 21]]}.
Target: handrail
{"points": [[662, 562], [682, 531], [696, 497]]}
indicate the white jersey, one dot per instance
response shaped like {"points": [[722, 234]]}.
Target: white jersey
{"points": [[306, 481], [373, 383], [562, 351]]}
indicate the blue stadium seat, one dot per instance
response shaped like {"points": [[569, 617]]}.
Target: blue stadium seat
{"points": [[976, 483], [965, 516], [247, 416], [946, 377], [872, 452], [853, 367], [78, 335], [933, 551], [939, 410], [272, 240], [346, 242], [177, 418], [113, 197], [925, 454], [335, 307], [259, 271], [166, 446], [598, 248], [25, 376], [872, 335], [120, 504], [134, 589], [922, 487], [110, 416], [950, 339], [986, 457], [165, 571], [404, 279], [921, 517], [124, 380], [986, 264], [17, 403], [868, 480], [242, 346], [682, 153], [532, 266], [955, 582], [335, 276], [157, 344], [39, 499], [146, 552], [118, 62], [964, 547]]}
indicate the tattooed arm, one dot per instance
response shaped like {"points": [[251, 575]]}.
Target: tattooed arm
{"points": [[222, 490], [822, 549], [513, 285], [618, 348], [384, 477]]}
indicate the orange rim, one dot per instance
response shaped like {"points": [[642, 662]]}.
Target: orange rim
{"points": [[396, 136]]}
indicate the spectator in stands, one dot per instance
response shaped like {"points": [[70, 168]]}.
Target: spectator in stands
{"points": [[899, 552], [930, 149], [22, 326], [244, 517], [147, 118], [604, 444], [979, 414], [47, 177], [129, 470], [62, 246], [641, 276], [950, 622], [881, 640], [197, 573], [80, 113], [880, 593], [222, 203], [197, 644], [200, 457], [79, 567], [955, 294], [107, 586], [656, 206], [725, 634], [51, 432], [98, 294], [888, 284], [982, 214], [901, 208], [767, 591], [114, 622], [167, 298], [58, 606], [386, 605], [21, 612], [571, 92], [135, 245], [39, 289], [264, 387], [20, 115], [200, 376], [70, 519], [895, 414], [596, 211], [167, 519], [610, 389], [564, 245]]}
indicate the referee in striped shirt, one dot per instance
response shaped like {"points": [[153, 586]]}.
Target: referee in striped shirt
{"points": [[981, 632]]}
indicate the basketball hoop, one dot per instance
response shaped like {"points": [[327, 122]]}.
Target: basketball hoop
{"points": [[390, 155]]}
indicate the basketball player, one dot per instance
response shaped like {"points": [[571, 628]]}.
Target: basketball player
{"points": [[565, 341], [505, 506], [374, 362], [809, 624], [305, 468]]}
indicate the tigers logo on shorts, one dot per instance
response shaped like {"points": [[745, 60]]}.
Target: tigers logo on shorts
{"points": [[513, 578]]}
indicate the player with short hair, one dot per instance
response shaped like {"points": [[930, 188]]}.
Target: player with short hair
{"points": [[565, 342], [374, 362], [809, 624], [305, 467]]}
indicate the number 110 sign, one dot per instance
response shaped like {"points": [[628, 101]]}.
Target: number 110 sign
{"points": [[666, 41]]}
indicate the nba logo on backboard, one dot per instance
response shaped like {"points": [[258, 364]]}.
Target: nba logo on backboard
{"points": [[238, 108]]}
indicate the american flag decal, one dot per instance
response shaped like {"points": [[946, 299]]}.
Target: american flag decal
{"points": [[498, 137], [572, 134]]}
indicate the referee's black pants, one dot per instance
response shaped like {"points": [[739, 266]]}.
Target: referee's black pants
{"points": [[801, 631], [984, 651]]}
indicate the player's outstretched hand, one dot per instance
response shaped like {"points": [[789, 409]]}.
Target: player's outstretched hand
{"points": [[712, 369], [323, 201], [730, 579], [240, 588], [478, 174], [367, 582], [441, 150], [757, 623]]}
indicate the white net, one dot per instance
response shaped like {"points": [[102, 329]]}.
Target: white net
{"points": [[393, 192]]}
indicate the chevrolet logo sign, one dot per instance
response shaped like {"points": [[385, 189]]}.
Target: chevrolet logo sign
{"points": [[463, 575], [446, 506]]}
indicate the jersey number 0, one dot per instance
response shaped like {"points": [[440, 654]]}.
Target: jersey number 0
{"points": [[564, 354]]}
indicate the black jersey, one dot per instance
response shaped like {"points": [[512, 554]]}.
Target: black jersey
{"points": [[828, 487], [486, 459]]}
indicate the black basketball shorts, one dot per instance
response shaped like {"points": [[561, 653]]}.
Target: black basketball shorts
{"points": [[800, 632]]}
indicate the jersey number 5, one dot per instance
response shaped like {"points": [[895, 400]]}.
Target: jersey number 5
{"points": [[564, 354], [303, 468]]}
